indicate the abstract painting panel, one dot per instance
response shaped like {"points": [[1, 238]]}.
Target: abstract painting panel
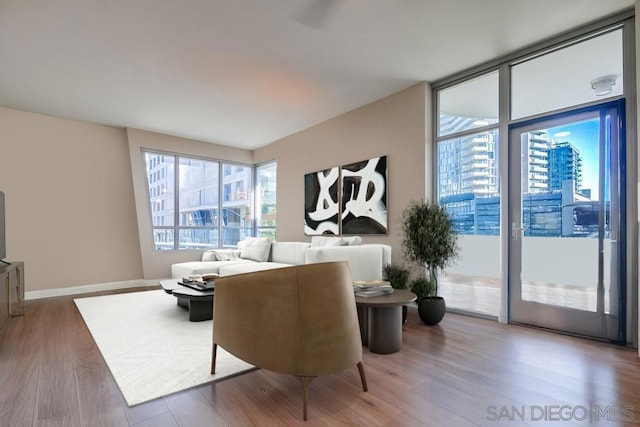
{"points": [[364, 197], [321, 202]]}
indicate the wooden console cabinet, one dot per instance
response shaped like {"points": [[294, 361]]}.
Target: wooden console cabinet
{"points": [[11, 290]]}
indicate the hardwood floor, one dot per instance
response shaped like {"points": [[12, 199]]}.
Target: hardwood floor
{"points": [[464, 372]]}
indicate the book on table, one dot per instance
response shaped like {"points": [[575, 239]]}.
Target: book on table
{"points": [[374, 292], [371, 288], [198, 285], [371, 284]]}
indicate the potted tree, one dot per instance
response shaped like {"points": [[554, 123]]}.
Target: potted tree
{"points": [[429, 241], [398, 277]]}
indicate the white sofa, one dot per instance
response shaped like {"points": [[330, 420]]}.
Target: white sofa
{"points": [[255, 254]]}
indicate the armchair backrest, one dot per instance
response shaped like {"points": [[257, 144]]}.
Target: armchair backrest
{"points": [[299, 320]]}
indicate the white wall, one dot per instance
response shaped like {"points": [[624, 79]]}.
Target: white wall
{"points": [[70, 211]]}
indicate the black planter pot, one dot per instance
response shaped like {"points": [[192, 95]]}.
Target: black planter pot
{"points": [[404, 314], [431, 310]]}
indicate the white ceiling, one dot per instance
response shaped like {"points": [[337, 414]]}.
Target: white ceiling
{"points": [[248, 72]]}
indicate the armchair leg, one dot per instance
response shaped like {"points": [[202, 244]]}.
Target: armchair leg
{"points": [[213, 358], [362, 376], [305, 394]]}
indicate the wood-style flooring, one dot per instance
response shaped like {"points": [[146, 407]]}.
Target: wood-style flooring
{"points": [[464, 372]]}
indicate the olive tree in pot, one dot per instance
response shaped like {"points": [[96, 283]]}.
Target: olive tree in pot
{"points": [[398, 277], [428, 240]]}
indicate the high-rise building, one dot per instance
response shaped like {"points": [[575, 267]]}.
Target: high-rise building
{"points": [[467, 164], [565, 163], [535, 164]]}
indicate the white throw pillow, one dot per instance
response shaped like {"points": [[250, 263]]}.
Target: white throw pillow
{"points": [[209, 256], [255, 248], [318, 241], [220, 255], [226, 254], [352, 240], [336, 242]]}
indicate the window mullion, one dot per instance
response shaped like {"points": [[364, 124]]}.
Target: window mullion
{"points": [[176, 203], [220, 193]]}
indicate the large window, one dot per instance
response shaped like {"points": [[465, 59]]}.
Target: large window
{"points": [[200, 204]]}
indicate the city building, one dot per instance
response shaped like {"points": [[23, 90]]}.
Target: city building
{"points": [[565, 163], [535, 162], [215, 202], [553, 202]]}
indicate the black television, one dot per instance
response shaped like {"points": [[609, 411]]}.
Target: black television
{"points": [[3, 242]]}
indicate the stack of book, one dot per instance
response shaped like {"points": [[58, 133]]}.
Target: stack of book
{"points": [[371, 288], [199, 285]]}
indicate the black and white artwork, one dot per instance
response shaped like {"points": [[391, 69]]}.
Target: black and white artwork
{"points": [[364, 197], [321, 202]]}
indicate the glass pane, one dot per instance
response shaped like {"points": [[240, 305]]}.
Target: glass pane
{"points": [[468, 188], [232, 235], [560, 214], [198, 238], [160, 178], [198, 189], [468, 182], [237, 206], [567, 77], [267, 232], [163, 239], [266, 195], [468, 105]]}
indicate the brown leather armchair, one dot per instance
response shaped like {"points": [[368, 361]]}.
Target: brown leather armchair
{"points": [[299, 320]]}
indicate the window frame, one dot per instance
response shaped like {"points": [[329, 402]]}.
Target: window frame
{"points": [[624, 20]]}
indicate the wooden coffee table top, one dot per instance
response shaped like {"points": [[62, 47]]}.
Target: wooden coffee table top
{"points": [[398, 297]]}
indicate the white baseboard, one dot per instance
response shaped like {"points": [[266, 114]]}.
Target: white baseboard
{"points": [[83, 289]]}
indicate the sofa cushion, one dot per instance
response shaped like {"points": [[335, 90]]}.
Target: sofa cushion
{"points": [[365, 261], [255, 248], [289, 252]]}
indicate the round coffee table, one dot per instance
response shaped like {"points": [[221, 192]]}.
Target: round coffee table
{"points": [[381, 320]]}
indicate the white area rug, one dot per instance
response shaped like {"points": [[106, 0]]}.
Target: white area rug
{"points": [[151, 347]]}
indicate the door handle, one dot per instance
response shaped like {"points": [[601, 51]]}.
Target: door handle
{"points": [[516, 232]]}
